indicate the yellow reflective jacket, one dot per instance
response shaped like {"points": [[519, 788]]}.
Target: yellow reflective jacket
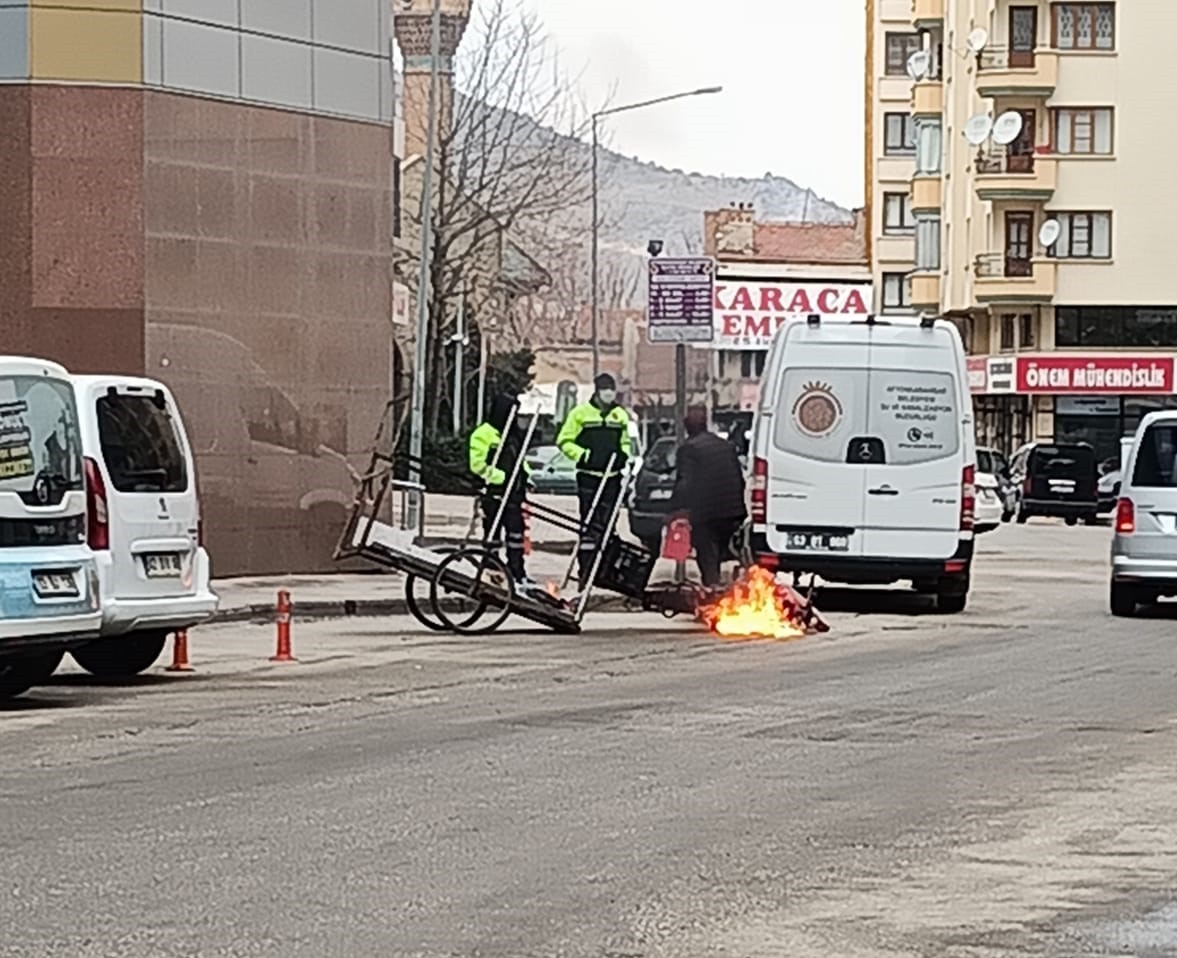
{"points": [[589, 437], [484, 441]]}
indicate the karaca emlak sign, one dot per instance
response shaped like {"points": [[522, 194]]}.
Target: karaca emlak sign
{"points": [[1056, 375], [749, 312]]}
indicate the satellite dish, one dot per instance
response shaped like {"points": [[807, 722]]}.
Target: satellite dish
{"points": [[1007, 127], [918, 64], [978, 39], [977, 130], [1049, 234]]}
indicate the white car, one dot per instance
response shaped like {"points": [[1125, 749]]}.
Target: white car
{"points": [[143, 522], [989, 508]]}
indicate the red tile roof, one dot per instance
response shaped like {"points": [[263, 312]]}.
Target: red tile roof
{"points": [[807, 243]]}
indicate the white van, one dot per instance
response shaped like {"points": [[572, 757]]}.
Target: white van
{"points": [[864, 457], [144, 521]]}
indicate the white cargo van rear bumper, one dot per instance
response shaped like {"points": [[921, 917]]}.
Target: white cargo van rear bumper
{"points": [[868, 570], [122, 615]]}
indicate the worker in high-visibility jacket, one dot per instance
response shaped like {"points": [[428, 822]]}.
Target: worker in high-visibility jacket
{"points": [[495, 447], [596, 437]]}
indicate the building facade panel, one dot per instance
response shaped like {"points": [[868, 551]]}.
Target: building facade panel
{"points": [[86, 44], [14, 42], [196, 57]]}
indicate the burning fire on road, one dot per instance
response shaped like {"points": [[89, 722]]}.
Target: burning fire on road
{"points": [[757, 607]]}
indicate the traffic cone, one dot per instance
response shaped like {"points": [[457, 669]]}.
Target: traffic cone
{"points": [[283, 653], [180, 661]]}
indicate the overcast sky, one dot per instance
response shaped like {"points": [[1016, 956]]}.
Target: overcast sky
{"points": [[791, 72]]}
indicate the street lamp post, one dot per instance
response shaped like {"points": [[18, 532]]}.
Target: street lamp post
{"points": [[421, 352], [704, 91]]}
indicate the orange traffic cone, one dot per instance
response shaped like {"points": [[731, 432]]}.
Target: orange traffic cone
{"points": [[180, 661], [284, 652]]}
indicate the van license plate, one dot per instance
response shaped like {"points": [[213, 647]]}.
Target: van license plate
{"points": [[165, 565], [55, 585], [818, 542]]}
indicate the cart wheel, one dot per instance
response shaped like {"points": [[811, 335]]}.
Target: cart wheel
{"points": [[417, 606], [459, 572]]}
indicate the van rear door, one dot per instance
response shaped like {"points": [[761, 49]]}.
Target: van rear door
{"points": [[915, 425], [150, 490], [814, 493], [1153, 491]]}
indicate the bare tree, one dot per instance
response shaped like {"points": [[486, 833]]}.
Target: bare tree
{"points": [[513, 180]]}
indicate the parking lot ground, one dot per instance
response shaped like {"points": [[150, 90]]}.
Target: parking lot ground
{"points": [[994, 783]]}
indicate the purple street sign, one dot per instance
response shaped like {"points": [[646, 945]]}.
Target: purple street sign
{"points": [[682, 300]]}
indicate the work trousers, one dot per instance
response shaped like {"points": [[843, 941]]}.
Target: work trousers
{"points": [[712, 542], [512, 526], [593, 521]]}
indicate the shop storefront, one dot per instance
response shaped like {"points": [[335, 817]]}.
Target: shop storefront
{"points": [[1094, 398]]}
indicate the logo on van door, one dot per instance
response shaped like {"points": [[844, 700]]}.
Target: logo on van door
{"points": [[817, 410]]}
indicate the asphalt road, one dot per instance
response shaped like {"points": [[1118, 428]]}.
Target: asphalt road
{"points": [[998, 783]]}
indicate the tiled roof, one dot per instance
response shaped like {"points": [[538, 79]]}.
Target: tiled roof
{"points": [[807, 243]]}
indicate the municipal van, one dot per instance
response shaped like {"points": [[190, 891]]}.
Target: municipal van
{"points": [[144, 526], [49, 599], [864, 458]]}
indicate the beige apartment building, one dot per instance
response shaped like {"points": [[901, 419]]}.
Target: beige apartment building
{"points": [[1045, 229]]}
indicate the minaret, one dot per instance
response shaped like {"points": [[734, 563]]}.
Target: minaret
{"points": [[413, 24]]}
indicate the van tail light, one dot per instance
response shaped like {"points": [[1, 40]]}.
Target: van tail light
{"points": [[1125, 517], [968, 498], [97, 508], [759, 490]]}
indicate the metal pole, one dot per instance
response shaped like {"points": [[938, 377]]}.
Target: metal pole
{"points": [[483, 359], [680, 414], [459, 358], [596, 257], [421, 353]]}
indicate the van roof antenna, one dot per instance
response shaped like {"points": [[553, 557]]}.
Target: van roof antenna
{"points": [[927, 321]]}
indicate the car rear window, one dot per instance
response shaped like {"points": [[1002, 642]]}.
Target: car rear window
{"points": [[1156, 460], [663, 456], [140, 445], [818, 411], [985, 462], [915, 413], [1063, 462]]}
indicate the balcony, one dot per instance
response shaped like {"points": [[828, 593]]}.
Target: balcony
{"points": [[927, 192], [1002, 72], [926, 13], [1001, 278], [1002, 175], [927, 98], [925, 291]]}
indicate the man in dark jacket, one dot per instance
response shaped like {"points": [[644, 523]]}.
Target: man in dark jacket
{"points": [[709, 490]]}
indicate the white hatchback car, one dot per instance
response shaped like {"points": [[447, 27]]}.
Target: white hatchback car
{"points": [[143, 521]]}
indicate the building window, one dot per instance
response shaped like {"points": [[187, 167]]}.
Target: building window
{"points": [[1084, 236], [1007, 332], [896, 292], [900, 47], [897, 216], [1085, 26], [1126, 326], [899, 134], [1082, 131], [1026, 331], [927, 243], [928, 145], [752, 363]]}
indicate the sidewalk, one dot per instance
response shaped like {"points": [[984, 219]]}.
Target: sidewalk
{"points": [[367, 593]]}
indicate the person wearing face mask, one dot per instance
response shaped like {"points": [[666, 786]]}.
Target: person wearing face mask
{"points": [[501, 429], [596, 437]]}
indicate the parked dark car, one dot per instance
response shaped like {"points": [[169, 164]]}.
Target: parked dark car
{"points": [[1057, 479], [652, 491]]}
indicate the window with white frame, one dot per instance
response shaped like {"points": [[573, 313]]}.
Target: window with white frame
{"points": [[927, 242], [928, 145], [898, 134], [896, 292], [897, 216], [1083, 236], [1082, 131], [1084, 26], [900, 47]]}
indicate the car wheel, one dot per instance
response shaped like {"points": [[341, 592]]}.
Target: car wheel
{"points": [[18, 675], [1023, 517], [952, 594], [123, 656], [1123, 600], [1071, 520]]}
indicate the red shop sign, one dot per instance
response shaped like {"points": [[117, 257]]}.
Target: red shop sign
{"points": [[1056, 375], [978, 374]]}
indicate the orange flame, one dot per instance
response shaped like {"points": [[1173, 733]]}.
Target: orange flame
{"points": [[753, 608]]}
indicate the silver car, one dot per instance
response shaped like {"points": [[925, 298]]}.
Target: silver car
{"points": [[1144, 546]]}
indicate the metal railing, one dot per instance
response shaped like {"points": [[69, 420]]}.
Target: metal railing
{"points": [[1002, 160], [1002, 58], [1001, 265]]}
